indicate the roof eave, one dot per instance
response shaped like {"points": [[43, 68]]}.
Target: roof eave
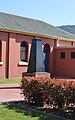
{"points": [[39, 35]]}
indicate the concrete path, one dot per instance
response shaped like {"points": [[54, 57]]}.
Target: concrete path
{"points": [[10, 92]]}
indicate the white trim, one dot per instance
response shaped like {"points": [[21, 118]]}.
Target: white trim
{"points": [[1, 63], [23, 63]]}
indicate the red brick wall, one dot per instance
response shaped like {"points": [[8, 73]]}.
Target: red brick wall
{"points": [[64, 43], [4, 39], [14, 53], [15, 70], [65, 67], [11, 53], [51, 55]]}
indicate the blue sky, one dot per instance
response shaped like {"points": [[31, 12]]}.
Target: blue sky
{"points": [[55, 12]]}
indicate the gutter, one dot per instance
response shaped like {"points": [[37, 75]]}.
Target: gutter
{"points": [[39, 35]]}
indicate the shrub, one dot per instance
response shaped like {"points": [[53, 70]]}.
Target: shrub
{"points": [[55, 92]]}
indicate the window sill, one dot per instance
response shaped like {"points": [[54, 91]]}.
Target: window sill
{"points": [[21, 63], [1, 63]]}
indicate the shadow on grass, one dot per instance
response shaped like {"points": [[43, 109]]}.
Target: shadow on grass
{"points": [[43, 113], [29, 112]]}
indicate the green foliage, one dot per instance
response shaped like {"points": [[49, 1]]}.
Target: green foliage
{"points": [[53, 92]]}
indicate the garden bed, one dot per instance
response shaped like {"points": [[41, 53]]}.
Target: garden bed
{"points": [[68, 114], [55, 96]]}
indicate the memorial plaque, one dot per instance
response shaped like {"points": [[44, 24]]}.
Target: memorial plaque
{"points": [[36, 57], [36, 66]]}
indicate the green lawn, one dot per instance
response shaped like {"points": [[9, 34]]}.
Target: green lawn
{"points": [[8, 112], [9, 81]]}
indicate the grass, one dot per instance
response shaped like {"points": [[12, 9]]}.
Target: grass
{"points": [[9, 81], [9, 112]]}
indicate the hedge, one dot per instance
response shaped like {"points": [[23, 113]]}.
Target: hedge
{"points": [[53, 92]]}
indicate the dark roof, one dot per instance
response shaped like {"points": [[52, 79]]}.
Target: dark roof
{"points": [[23, 24]]}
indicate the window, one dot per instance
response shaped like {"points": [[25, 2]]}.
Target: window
{"points": [[72, 43], [62, 55], [46, 48], [72, 54], [23, 51]]}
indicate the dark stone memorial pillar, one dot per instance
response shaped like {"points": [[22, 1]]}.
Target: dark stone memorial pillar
{"points": [[36, 65]]}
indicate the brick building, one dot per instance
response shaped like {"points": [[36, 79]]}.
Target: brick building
{"points": [[16, 34]]}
